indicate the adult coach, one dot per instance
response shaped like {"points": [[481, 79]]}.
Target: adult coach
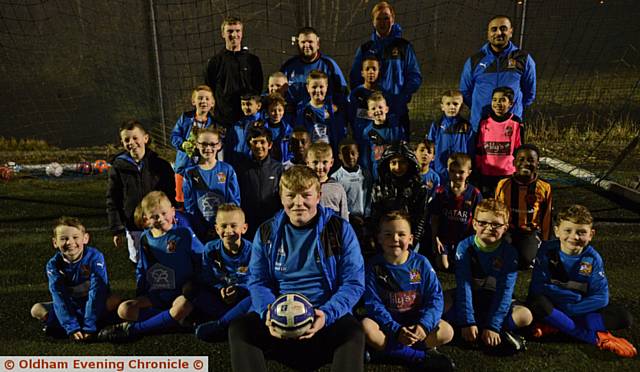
{"points": [[231, 72], [499, 63], [305, 249], [400, 75], [309, 58]]}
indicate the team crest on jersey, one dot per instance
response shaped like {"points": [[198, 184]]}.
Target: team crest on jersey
{"points": [[467, 203], [378, 150], [497, 263], [585, 268], [508, 131], [243, 269], [395, 53], [414, 276], [84, 269], [511, 63], [222, 178], [171, 246], [327, 115], [429, 184]]}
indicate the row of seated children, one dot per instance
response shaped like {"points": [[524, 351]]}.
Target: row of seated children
{"points": [[405, 309]]}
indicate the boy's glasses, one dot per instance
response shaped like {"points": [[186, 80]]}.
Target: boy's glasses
{"points": [[493, 225], [208, 144]]}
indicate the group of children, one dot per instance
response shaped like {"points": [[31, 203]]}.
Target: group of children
{"points": [[406, 203]]}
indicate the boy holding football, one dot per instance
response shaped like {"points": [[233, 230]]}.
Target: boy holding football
{"points": [[304, 249]]}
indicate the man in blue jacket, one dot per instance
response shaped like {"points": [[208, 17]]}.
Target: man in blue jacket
{"points": [[304, 249], [499, 63], [400, 75]]}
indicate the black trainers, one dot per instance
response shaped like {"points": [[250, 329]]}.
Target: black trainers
{"points": [[116, 333], [211, 331], [436, 361], [514, 343]]}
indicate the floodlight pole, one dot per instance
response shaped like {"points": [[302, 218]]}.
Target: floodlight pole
{"points": [[522, 23], [158, 76]]}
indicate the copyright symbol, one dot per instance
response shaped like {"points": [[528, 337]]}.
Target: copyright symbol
{"points": [[198, 364], [8, 364]]}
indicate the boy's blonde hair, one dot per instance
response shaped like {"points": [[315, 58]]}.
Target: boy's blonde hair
{"points": [[395, 215], [451, 93], [493, 206], [152, 200], [578, 214], [376, 97], [319, 149], [460, 159], [298, 178], [228, 208], [317, 74], [231, 21], [67, 221], [278, 74], [380, 7], [206, 88]]}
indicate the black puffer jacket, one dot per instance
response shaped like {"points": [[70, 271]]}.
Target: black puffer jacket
{"points": [[406, 193]]}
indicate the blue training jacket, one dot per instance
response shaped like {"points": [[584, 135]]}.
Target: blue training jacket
{"points": [[297, 71], [450, 135], [79, 290], [410, 290], [343, 266], [180, 133], [484, 71], [479, 273], [374, 139], [576, 285], [400, 75]]}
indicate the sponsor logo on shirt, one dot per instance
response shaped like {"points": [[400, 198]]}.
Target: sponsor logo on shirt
{"points": [[402, 301], [497, 148]]}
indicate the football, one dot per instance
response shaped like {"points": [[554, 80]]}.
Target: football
{"points": [[291, 315], [53, 170]]}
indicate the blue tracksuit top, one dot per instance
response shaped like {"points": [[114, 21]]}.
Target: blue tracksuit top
{"points": [[484, 71], [407, 291], [297, 71], [432, 180], [220, 269], [374, 139], [167, 262], [78, 290], [280, 135], [400, 75], [493, 271], [180, 133], [450, 135], [323, 124], [205, 190], [576, 285], [344, 273], [358, 110], [235, 141]]}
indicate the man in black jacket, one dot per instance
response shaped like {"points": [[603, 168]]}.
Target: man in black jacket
{"points": [[258, 178], [232, 71]]}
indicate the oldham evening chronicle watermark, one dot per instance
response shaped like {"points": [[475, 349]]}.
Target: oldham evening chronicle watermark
{"points": [[104, 363]]}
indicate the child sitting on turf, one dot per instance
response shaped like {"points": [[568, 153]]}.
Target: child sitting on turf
{"points": [[358, 114], [182, 136], [280, 128], [382, 131], [235, 143], [403, 300], [298, 145], [332, 195], [225, 271], [451, 134], [424, 153], [569, 291], [320, 116], [400, 188], [133, 174], [486, 273], [169, 258], [498, 137], [209, 184], [78, 284], [452, 210], [529, 199]]}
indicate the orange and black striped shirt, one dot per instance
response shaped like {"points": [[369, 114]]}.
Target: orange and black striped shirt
{"points": [[530, 204]]}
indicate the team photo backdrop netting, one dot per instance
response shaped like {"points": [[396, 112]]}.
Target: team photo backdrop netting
{"points": [[72, 70]]}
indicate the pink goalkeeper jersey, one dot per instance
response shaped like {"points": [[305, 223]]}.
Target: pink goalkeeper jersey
{"points": [[497, 139]]}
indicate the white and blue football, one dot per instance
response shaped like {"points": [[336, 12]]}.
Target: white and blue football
{"points": [[291, 315]]}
